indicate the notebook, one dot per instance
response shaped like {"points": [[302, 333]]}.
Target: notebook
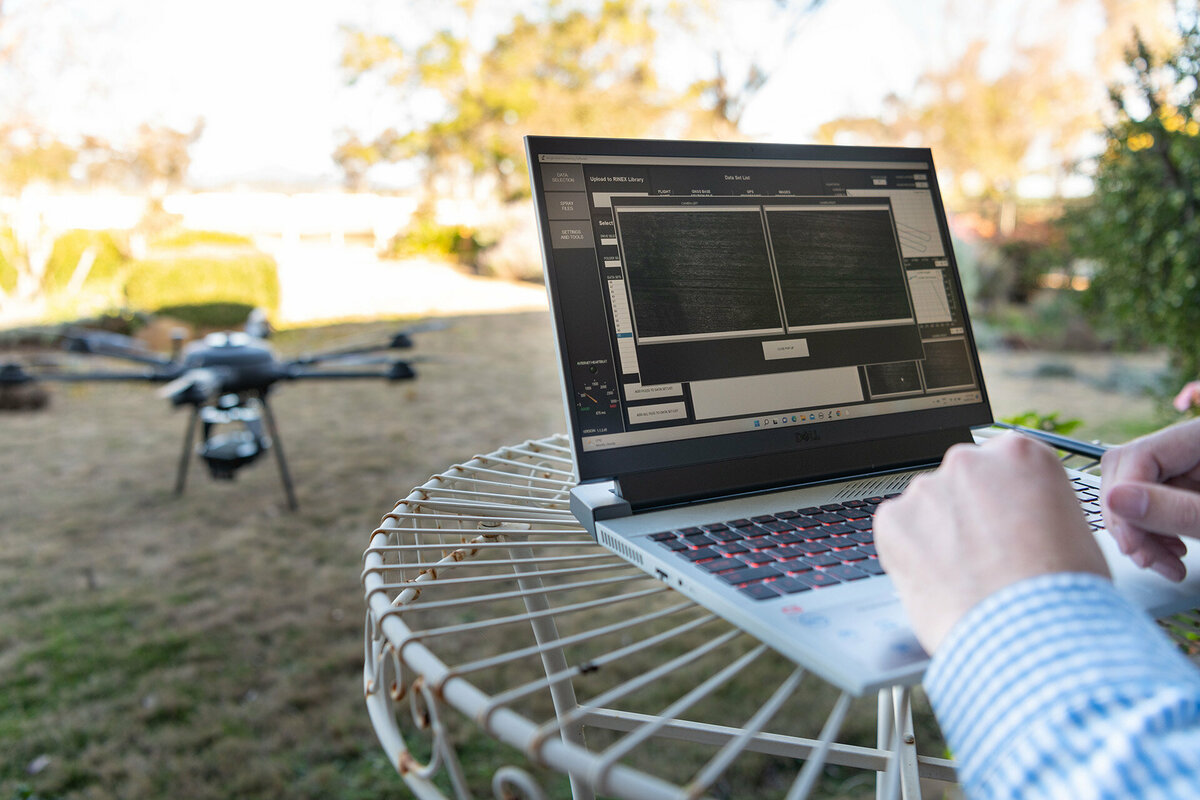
{"points": [[759, 343]]}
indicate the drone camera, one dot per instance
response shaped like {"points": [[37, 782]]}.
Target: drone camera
{"points": [[226, 453]]}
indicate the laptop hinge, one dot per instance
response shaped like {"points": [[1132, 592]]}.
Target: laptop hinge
{"points": [[600, 500], [662, 488]]}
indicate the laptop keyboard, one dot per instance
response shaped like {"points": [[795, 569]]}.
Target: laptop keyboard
{"points": [[784, 553], [797, 551]]}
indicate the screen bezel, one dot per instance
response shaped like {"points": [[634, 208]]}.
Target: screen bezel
{"points": [[802, 454]]}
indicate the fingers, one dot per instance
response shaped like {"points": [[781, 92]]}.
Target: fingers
{"points": [[1154, 508], [1158, 457]]}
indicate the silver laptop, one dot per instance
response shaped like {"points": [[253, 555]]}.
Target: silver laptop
{"points": [[759, 344]]}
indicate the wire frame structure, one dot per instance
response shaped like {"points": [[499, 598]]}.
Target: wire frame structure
{"points": [[491, 613], [490, 609]]}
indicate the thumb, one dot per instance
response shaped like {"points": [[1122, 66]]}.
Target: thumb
{"points": [[1156, 508]]}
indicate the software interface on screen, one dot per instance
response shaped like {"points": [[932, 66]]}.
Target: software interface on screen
{"points": [[704, 296]]}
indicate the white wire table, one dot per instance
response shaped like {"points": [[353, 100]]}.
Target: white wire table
{"points": [[489, 609]]}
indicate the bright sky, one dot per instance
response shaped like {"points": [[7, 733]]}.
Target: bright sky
{"points": [[264, 75]]}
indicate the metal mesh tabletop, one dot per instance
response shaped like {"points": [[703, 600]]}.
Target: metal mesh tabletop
{"points": [[491, 614], [489, 608]]}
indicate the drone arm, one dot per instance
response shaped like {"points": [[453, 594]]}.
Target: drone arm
{"points": [[400, 341], [103, 375], [399, 370], [112, 346]]}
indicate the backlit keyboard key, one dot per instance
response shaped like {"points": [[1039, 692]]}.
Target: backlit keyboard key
{"points": [[722, 565], [700, 555], [872, 566], [759, 591], [749, 575], [817, 579], [845, 572], [789, 585]]}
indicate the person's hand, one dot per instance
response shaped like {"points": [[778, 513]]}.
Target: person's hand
{"points": [[1150, 495], [989, 517]]}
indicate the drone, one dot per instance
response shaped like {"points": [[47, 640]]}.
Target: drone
{"points": [[225, 379]]}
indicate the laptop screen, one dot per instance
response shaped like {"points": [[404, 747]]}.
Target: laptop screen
{"points": [[715, 301]]}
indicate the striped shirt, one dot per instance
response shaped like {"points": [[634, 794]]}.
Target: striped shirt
{"points": [[1056, 687]]}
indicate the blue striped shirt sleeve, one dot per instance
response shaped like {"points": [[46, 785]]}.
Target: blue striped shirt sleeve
{"points": [[1056, 687]]}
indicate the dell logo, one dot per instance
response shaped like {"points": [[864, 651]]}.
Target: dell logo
{"points": [[807, 435]]}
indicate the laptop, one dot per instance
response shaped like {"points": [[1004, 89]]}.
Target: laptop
{"points": [[759, 343]]}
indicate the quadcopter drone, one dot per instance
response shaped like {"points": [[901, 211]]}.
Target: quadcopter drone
{"points": [[225, 379]]}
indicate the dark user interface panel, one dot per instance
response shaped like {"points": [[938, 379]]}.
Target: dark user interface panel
{"points": [[702, 297]]}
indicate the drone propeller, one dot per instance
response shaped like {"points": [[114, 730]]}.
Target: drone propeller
{"points": [[370, 361], [401, 340], [105, 343]]}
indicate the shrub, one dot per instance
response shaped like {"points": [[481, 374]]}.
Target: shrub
{"points": [[248, 280], [1142, 227], [8, 257], [185, 239], [425, 237], [111, 258], [210, 315]]}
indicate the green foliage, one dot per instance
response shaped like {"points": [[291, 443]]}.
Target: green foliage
{"points": [[8, 261], [186, 239], [112, 256], [1051, 320], [248, 280], [1142, 227], [1044, 422], [209, 315], [43, 159], [582, 69], [424, 237]]}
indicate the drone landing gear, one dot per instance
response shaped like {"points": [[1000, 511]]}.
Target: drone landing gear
{"points": [[225, 453]]}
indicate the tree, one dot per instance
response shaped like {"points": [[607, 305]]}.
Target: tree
{"points": [[559, 67], [1006, 107], [1141, 228], [565, 70]]}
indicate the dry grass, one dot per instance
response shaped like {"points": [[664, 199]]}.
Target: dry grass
{"points": [[210, 645]]}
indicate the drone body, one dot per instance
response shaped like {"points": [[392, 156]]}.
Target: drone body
{"points": [[225, 378]]}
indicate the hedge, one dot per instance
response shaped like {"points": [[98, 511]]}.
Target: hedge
{"points": [[8, 270], [111, 257], [185, 239], [252, 280]]}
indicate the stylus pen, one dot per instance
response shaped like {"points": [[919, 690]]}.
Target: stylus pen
{"points": [[1088, 449]]}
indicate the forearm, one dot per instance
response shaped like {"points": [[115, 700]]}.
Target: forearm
{"points": [[1057, 687]]}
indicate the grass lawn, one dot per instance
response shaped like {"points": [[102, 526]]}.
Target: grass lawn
{"points": [[210, 645]]}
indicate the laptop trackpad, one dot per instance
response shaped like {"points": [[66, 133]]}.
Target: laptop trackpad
{"points": [[873, 632]]}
